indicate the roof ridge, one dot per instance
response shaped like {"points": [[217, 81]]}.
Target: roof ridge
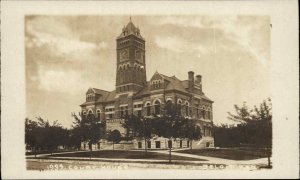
{"points": [[100, 89]]}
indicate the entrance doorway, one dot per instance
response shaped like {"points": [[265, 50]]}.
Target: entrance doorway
{"points": [[207, 144]]}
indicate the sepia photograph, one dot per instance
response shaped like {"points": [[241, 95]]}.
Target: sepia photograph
{"points": [[139, 91], [148, 91]]}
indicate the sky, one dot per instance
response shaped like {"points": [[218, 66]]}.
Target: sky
{"points": [[66, 55]]}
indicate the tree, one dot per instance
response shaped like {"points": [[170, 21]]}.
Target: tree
{"points": [[191, 131], [263, 115], [89, 128], [255, 126], [140, 127], [243, 114], [42, 135], [115, 137], [31, 134]]}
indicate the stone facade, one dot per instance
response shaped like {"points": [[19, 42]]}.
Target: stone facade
{"points": [[135, 95]]}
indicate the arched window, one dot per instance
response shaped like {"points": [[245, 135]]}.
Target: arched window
{"points": [[203, 113], [179, 102], [208, 113], [148, 109], [169, 107], [98, 113], [157, 107], [187, 108], [90, 112]]}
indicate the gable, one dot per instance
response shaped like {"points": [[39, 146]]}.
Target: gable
{"points": [[156, 76], [90, 91]]}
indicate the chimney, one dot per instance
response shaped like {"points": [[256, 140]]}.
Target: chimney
{"points": [[191, 80], [199, 81]]}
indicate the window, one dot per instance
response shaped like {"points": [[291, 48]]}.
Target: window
{"points": [[121, 111], [98, 114], [157, 107], [148, 108], [149, 144], [98, 145], [169, 144], [90, 112], [179, 107], [169, 107], [180, 143], [110, 116], [188, 143], [157, 144], [139, 113], [209, 113], [139, 145], [187, 109], [203, 114]]}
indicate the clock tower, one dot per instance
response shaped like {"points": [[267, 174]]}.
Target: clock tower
{"points": [[131, 65]]}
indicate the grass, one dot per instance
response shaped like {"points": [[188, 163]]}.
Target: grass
{"points": [[232, 154], [123, 154], [46, 152]]}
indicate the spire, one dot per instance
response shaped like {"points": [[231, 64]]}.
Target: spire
{"points": [[130, 29]]}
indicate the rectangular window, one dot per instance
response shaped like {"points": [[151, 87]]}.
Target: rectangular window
{"points": [[139, 145], [122, 112], [157, 144], [98, 145], [149, 144], [110, 116], [169, 144]]}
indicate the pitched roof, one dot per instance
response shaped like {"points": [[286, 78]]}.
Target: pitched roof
{"points": [[175, 83], [130, 29], [100, 91], [111, 96], [206, 98]]}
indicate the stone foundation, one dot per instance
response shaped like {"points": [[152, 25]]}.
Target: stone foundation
{"points": [[154, 143]]}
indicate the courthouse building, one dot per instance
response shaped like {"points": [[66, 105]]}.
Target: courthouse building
{"points": [[133, 94]]}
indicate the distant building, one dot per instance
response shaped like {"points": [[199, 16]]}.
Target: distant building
{"points": [[135, 95]]}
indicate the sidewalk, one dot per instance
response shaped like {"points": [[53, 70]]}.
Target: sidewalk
{"points": [[209, 159], [218, 160]]}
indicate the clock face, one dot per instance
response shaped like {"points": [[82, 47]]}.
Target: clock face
{"points": [[139, 56], [124, 55]]}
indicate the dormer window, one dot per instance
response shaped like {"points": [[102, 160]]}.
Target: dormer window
{"points": [[90, 97], [156, 84]]}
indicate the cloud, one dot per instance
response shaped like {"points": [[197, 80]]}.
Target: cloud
{"points": [[61, 80], [181, 21], [55, 33], [247, 33], [180, 45]]}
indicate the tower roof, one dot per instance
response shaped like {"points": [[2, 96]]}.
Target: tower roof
{"points": [[129, 29]]}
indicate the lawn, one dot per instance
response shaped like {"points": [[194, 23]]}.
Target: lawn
{"points": [[46, 152], [123, 154], [232, 154]]}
